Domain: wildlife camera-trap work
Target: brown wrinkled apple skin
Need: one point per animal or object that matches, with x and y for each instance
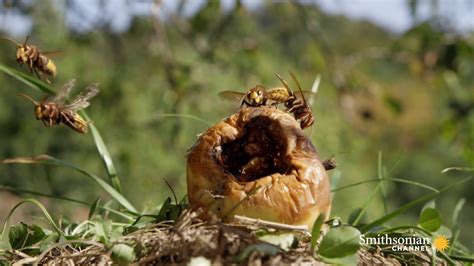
(296, 198)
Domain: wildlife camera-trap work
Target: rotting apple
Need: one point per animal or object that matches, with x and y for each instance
(258, 163)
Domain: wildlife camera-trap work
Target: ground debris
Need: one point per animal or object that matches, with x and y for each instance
(177, 243)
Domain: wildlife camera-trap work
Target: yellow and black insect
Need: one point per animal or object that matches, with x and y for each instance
(254, 97)
(297, 105)
(261, 96)
(295, 102)
(35, 59)
(53, 110)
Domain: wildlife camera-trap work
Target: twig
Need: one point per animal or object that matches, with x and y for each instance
(280, 226)
(80, 255)
(186, 219)
(330, 164)
(172, 191)
(41, 256)
(25, 261)
(19, 253)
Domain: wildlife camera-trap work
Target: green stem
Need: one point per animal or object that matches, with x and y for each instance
(386, 179)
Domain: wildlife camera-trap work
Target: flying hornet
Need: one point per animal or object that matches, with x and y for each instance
(53, 110)
(36, 60)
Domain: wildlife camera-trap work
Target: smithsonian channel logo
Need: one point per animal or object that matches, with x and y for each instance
(406, 243)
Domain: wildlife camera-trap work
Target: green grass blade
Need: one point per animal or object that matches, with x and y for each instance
(367, 204)
(316, 231)
(462, 258)
(462, 169)
(453, 240)
(457, 210)
(39, 205)
(433, 256)
(93, 208)
(104, 154)
(380, 175)
(31, 192)
(27, 79)
(387, 179)
(447, 258)
(410, 205)
(26, 191)
(46, 159)
(405, 227)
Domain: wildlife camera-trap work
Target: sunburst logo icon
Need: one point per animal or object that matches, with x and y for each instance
(440, 243)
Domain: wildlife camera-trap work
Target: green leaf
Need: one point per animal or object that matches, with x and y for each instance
(104, 154)
(347, 260)
(265, 249)
(430, 220)
(49, 160)
(284, 241)
(102, 230)
(93, 207)
(48, 241)
(457, 210)
(27, 79)
(316, 231)
(174, 212)
(164, 211)
(23, 235)
(170, 211)
(122, 254)
(340, 242)
(36, 234)
(429, 204)
(17, 235)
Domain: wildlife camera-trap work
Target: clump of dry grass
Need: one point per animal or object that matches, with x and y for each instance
(168, 243)
(177, 243)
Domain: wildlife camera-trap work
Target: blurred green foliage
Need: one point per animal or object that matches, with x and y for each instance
(410, 96)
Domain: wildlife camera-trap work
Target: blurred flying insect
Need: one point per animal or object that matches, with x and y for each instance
(53, 110)
(36, 60)
(296, 105)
